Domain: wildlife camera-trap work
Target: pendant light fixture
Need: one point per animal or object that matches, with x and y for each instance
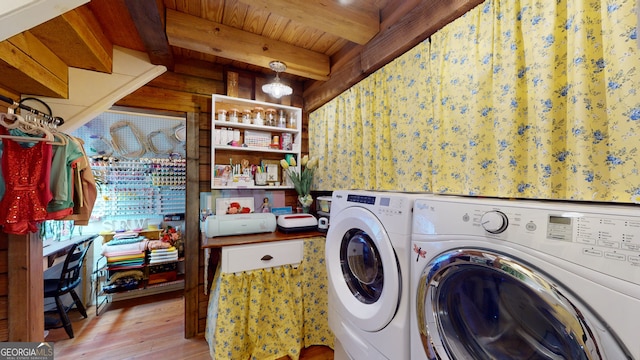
(276, 88)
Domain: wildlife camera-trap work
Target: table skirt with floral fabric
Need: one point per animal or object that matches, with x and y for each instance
(270, 313)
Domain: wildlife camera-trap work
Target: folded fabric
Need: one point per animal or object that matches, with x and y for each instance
(126, 262)
(135, 274)
(114, 267)
(125, 235)
(164, 256)
(125, 241)
(163, 259)
(164, 251)
(125, 257)
(157, 244)
(155, 256)
(125, 249)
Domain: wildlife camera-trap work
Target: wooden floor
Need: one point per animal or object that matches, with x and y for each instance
(144, 328)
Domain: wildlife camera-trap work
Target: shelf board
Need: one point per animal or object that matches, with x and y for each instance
(255, 187)
(239, 125)
(147, 290)
(254, 149)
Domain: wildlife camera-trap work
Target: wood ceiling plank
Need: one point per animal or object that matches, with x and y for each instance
(116, 23)
(29, 67)
(213, 10)
(353, 22)
(234, 13)
(77, 38)
(255, 20)
(205, 36)
(328, 44)
(148, 21)
(417, 25)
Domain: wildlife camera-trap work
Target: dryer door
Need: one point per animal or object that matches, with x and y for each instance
(363, 270)
(479, 304)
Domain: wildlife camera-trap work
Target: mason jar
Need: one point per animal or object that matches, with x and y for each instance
(233, 115)
(258, 116)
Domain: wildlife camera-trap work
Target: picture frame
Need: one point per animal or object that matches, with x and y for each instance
(272, 168)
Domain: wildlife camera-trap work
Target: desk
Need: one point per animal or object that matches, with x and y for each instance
(53, 249)
(269, 313)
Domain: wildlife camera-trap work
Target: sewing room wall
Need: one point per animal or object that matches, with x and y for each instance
(138, 162)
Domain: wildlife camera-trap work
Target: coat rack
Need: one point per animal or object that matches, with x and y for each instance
(53, 120)
(24, 263)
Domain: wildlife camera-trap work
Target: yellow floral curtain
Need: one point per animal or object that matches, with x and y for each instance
(527, 99)
(377, 128)
(270, 313)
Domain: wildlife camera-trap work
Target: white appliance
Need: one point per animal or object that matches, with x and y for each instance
(239, 224)
(501, 279)
(367, 259)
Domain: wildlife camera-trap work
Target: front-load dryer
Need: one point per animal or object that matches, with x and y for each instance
(499, 279)
(367, 260)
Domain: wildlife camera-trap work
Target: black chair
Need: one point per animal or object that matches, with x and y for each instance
(70, 278)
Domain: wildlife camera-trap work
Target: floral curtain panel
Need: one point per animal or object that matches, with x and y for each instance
(270, 313)
(527, 99)
(377, 127)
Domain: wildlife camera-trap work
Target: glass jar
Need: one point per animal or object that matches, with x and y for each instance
(222, 115)
(258, 116)
(233, 115)
(270, 117)
(282, 119)
(292, 122)
(246, 117)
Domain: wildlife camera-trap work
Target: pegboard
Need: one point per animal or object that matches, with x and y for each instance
(132, 135)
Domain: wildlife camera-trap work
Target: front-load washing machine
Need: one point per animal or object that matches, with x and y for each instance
(367, 260)
(500, 279)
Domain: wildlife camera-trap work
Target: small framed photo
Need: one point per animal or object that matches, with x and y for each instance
(272, 168)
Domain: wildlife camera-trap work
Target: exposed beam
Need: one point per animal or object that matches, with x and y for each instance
(29, 67)
(148, 20)
(194, 33)
(423, 21)
(355, 21)
(77, 38)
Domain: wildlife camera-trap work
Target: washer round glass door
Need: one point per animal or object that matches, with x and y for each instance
(363, 270)
(479, 304)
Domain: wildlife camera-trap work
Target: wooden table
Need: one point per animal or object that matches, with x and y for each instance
(218, 242)
(53, 249)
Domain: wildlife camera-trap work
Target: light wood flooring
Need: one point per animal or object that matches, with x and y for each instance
(144, 328)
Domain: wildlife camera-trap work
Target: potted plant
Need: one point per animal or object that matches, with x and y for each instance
(301, 179)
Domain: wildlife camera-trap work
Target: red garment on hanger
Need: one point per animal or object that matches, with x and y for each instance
(26, 172)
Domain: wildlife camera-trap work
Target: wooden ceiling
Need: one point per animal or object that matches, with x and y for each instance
(327, 45)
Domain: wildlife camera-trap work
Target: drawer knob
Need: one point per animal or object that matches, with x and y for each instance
(266, 258)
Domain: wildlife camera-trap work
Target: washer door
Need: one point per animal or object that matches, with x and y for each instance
(478, 304)
(363, 270)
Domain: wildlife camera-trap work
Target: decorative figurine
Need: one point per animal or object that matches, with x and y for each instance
(265, 206)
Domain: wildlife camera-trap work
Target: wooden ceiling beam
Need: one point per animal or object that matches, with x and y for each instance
(29, 67)
(354, 22)
(149, 23)
(194, 33)
(77, 38)
(417, 25)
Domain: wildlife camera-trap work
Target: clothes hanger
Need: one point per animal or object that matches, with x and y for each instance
(37, 125)
(19, 123)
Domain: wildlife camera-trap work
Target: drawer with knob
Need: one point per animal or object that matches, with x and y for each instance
(239, 258)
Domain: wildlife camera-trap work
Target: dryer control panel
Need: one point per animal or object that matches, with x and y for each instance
(393, 209)
(602, 237)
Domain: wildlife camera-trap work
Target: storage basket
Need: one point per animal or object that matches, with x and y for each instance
(260, 139)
